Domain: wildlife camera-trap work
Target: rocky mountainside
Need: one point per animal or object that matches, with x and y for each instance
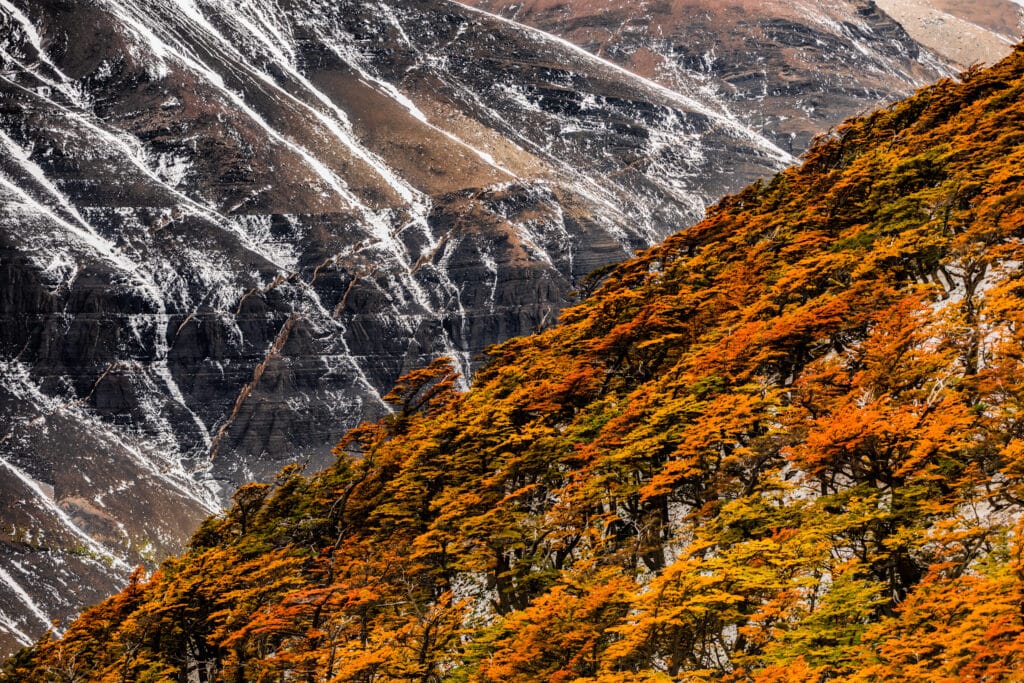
(785, 445)
(226, 229)
(789, 69)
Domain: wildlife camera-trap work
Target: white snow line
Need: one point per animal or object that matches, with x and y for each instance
(25, 598)
(161, 48)
(47, 504)
(380, 229)
(389, 14)
(278, 39)
(12, 628)
(192, 13)
(176, 478)
(340, 128)
(395, 94)
(97, 243)
(583, 184)
(419, 203)
(91, 236)
(37, 43)
(86, 232)
(136, 157)
(687, 102)
(360, 373)
(21, 156)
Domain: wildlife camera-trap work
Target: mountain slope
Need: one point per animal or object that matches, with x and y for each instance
(790, 69)
(226, 229)
(784, 445)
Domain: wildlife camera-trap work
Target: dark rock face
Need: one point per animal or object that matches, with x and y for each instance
(226, 229)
